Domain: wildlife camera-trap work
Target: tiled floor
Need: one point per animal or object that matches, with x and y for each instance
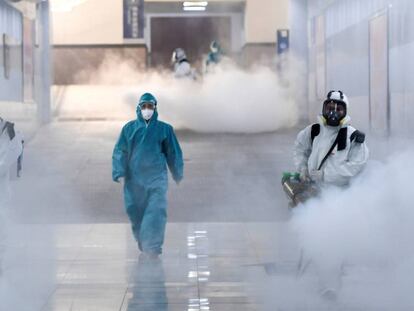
(229, 244)
(97, 267)
(70, 245)
(205, 266)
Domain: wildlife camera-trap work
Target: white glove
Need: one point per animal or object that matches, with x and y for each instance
(316, 176)
(304, 175)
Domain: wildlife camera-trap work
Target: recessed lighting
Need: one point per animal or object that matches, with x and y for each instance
(195, 3)
(194, 8)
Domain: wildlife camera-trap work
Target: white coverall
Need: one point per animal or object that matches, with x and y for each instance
(338, 170)
(182, 69)
(10, 150)
(341, 165)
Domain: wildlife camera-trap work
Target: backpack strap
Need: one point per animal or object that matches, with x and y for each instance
(358, 137)
(342, 135)
(315, 130)
(340, 141)
(342, 138)
(9, 127)
(328, 154)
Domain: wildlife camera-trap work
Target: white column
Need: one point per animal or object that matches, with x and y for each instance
(43, 64)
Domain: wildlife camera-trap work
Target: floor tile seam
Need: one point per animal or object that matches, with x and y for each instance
(49, 298)
(124, 298)
(249, 236)
(58, 285)
(75, 258)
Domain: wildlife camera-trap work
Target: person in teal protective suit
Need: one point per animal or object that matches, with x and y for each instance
(215, 55)
(144, 149)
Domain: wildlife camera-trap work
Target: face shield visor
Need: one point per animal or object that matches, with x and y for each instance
(174, 57)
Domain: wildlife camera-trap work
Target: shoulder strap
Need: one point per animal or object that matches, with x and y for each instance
(315, 130)
(342, 138)
(358, 137)
(9, 127)
(341, 133)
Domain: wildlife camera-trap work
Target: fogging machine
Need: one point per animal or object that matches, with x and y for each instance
(298, 191)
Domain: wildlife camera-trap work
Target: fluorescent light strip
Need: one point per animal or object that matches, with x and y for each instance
(194, 8)
(194, 3)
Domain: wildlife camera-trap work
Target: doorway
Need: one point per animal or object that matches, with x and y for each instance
(193, 34)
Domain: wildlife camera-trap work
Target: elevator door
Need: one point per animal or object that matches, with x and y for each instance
(193, 34)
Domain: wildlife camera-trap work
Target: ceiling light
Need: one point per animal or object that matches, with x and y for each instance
(194, 8)
(195, 3)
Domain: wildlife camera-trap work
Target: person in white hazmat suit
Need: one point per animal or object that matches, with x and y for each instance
(182, 67)
(330, 152)
(11, 149)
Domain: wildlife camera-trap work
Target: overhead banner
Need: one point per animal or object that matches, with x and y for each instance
(133, 19)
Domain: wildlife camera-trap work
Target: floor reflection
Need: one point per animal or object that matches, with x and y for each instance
(148, 286)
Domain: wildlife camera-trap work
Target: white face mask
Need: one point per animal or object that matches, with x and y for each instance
(147, 114)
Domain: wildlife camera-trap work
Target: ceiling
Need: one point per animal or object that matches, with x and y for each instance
(177, 7)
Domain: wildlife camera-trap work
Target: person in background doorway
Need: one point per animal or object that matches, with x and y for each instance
(214, 57)
(182, 67)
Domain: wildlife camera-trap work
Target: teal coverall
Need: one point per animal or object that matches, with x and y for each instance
(141, 156)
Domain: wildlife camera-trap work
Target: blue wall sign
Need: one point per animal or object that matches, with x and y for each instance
(282, 41)
(133, 19)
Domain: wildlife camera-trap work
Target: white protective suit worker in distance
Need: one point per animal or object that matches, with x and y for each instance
(11, 149)
(182, 67)
(331, 152)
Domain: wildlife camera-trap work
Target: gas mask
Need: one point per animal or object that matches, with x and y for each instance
(178, 55)
(334, 112)
(147, 113)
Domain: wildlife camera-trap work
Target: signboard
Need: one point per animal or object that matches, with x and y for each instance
(282, 41)
(133, 19)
